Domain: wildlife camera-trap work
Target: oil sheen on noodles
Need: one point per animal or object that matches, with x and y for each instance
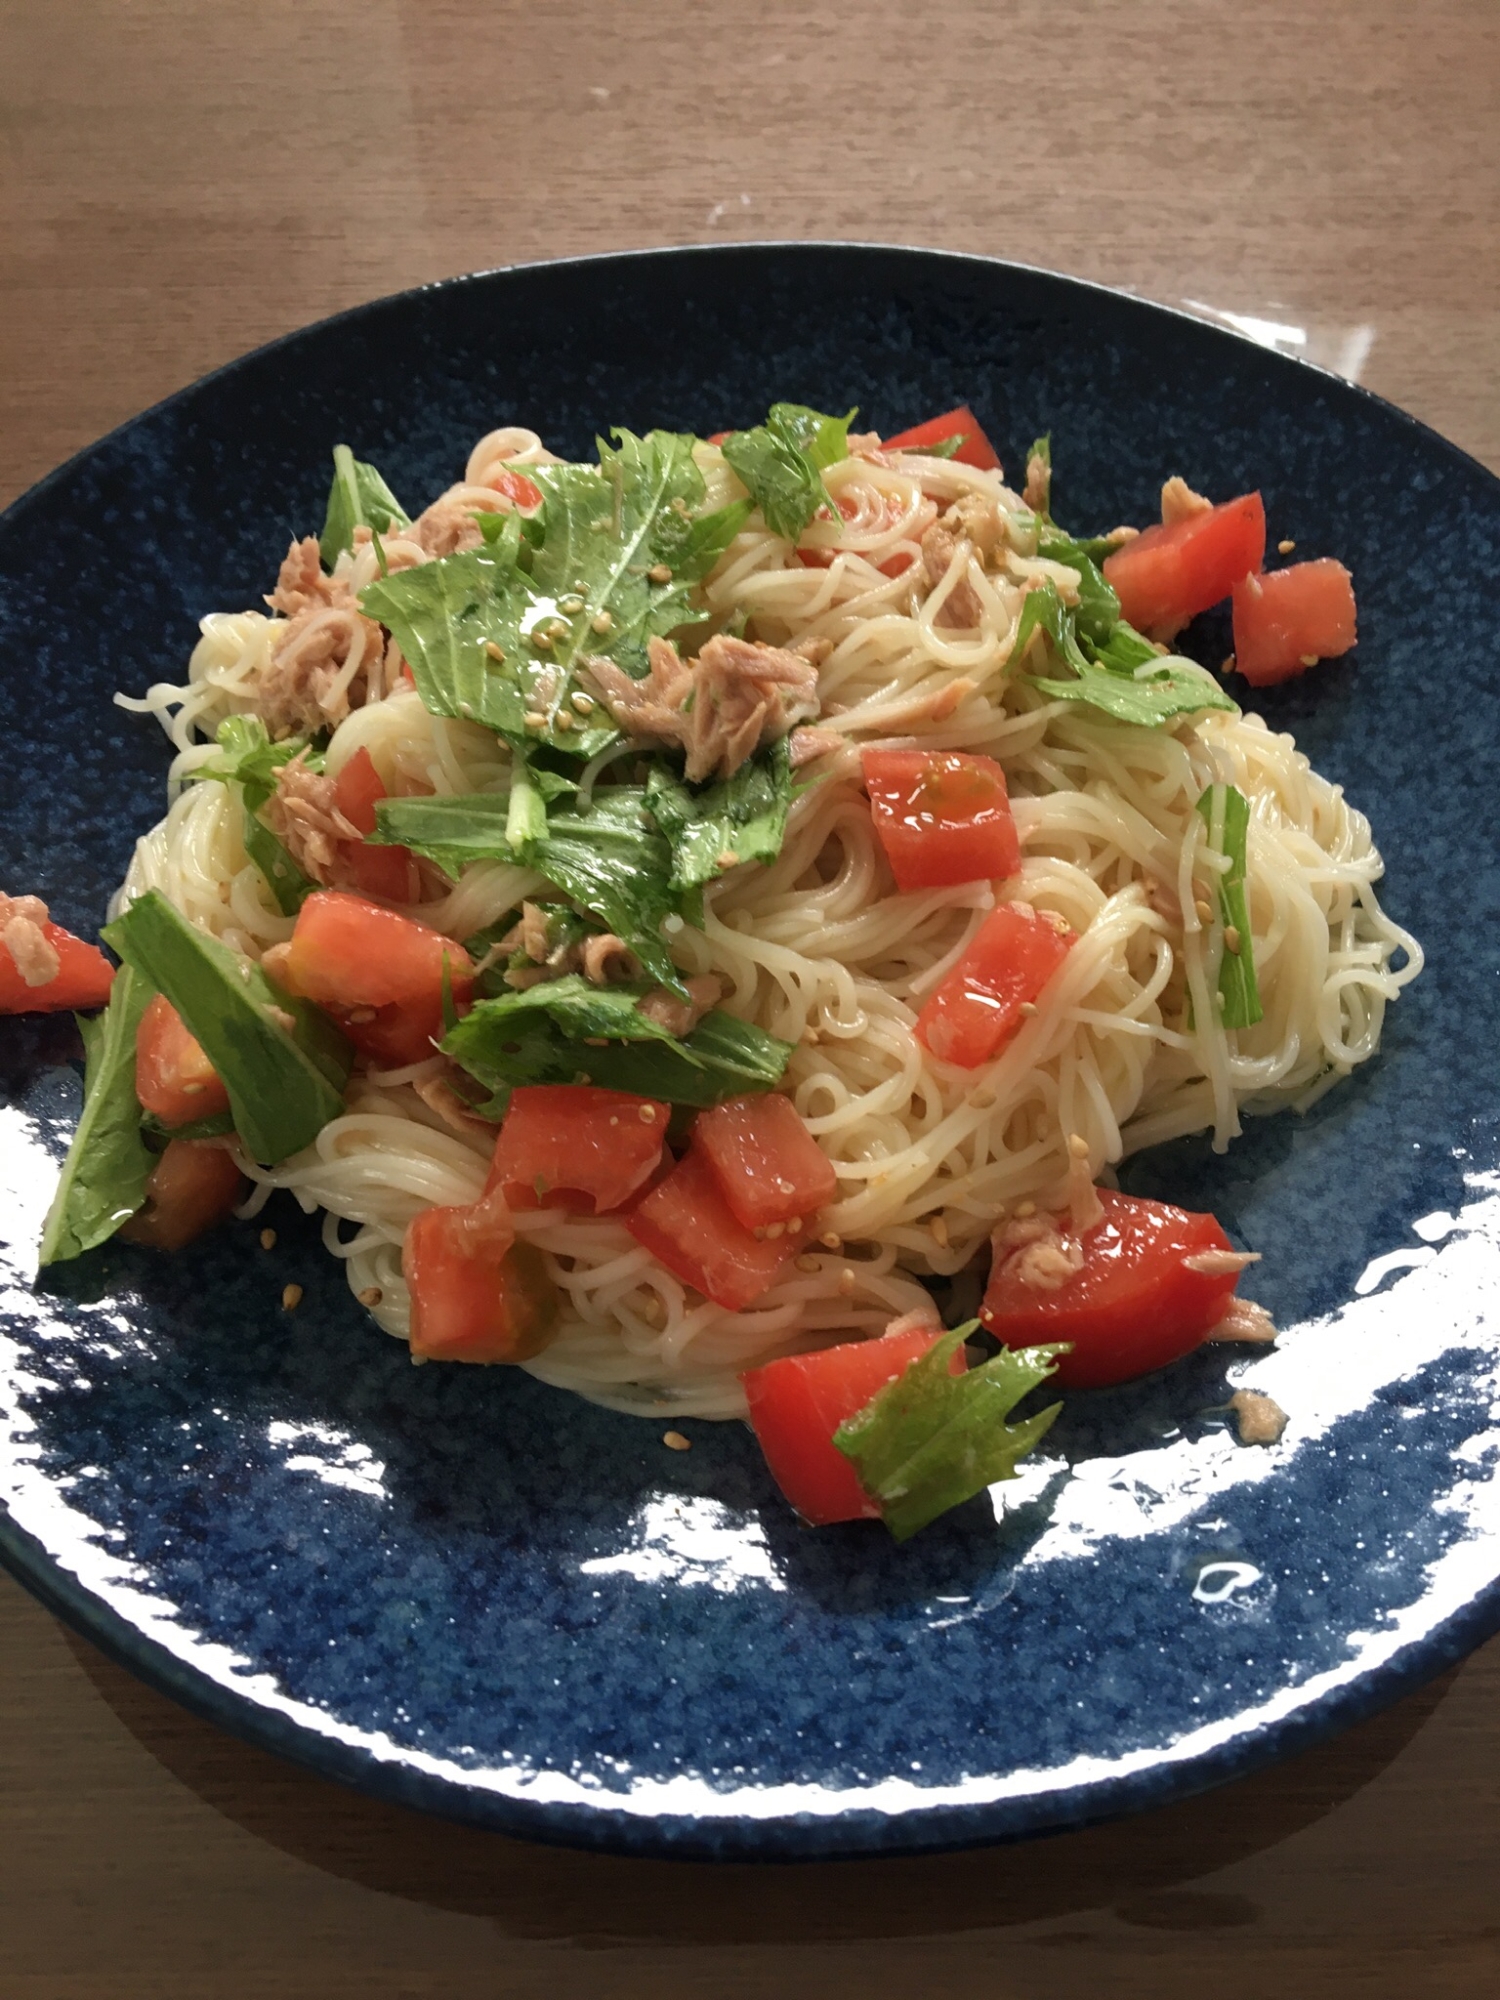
(820, 949)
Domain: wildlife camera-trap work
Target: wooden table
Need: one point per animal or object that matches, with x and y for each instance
(180, 180)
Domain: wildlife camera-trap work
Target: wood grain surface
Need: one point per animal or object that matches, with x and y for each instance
(183, 179)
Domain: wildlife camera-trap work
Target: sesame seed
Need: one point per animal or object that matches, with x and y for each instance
(806, 1263)
(268, 1239)
(614, 1121)
(535, 721)
(938, 1224)
(831, 1240)
(1228, 665)
(541, 639)
(1078, 1146)
(647, 1114)
(1308, 659)
(1232, 939)
(811, 1037)
(773, 1230)
(194, 1089)
(1027, 1007)
(496, 653)
(1202, 911)
(1285, 548)
(659, 573)
(983, 1099)
(794, 1225)
(846, 1280)
(600, 622)
(1025, 1208)
(562, 720)
(571, 605)
(291, 1295)
(675, 1441)
(584, 703)
(371, 1295)
(728, 860)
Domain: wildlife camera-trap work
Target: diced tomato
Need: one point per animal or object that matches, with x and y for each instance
(1133, 1307)
(977, 1008)
(378, 973)
(687, 1225)
(769, 1167)
(388, 872)
(1288, 619)
(524, 495)
(570, 1145)
(193, 1185)
(895, 564)
(942, 817)
(975, 450)
(718, 437)
(1168, 575)
(83, 977)
(174, 1079)
(476, 1294)
(797, 1403)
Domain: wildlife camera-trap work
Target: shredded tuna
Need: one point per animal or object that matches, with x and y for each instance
(1246, 1321)
(921, 1319)
(1037, 1251)
(23, 921)
(1258, 1419)
(609, 961)
(1038, 491)
(680, 1017)
(1220, 1263)
(720, 707)
(448, 526)
(941, 549)
(1180, 503)
(979, 519)
(302, 815)
(440, 1096)
(324, 662)
(302, 585)
(808, 745)
(1076, 1191)
(866, 445)
(814, 651)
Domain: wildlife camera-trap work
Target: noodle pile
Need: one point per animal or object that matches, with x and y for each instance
(819, 948)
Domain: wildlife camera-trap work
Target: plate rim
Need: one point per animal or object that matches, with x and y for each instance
(854, 1830)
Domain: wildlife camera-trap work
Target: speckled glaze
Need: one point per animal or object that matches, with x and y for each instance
(464, 1591)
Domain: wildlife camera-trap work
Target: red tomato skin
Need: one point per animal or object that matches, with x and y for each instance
(476, 1294)
(1168, 575)
(768, 1166)
(976, 449)
(524, 495)
(592, 1149)
(943, 817)
(193, 1185)
(1288, 618)
(977, 1008)
(83, 977)
(798, 1402)
(387, 872)
(687, 1225)
(377, 973)
(174, 1079)
(1132, 1308)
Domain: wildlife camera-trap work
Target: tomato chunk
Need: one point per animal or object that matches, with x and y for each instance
(975, 450)
(1168, 575)
(570, 1145)
(174, 1079)
(797, 1403)
(82, 979)
(943, 817)
(769, 1167)
(476, 1294)
(378, 973)
(388, 872)
(687, 1225)
(977, 1008)
(524, 495)
(193, 1185)
(1288, 619)
(1133, 1307)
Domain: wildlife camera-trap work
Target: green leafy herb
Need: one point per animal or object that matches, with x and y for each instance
(1226, 813)
(930, 1440)
(1148, 693)
(714, 827)
(251, 761)
(358, 496)
(608, 858)
(284, 1084)
(782, 460)
(568, 1031)
(1098, 610)
(948, 447)
(104, 1177)
(497, 634)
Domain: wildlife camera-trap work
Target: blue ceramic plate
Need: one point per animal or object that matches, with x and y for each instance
(465, 1591)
